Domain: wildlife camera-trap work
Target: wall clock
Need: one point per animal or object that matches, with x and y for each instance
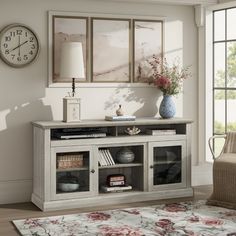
(19, 45)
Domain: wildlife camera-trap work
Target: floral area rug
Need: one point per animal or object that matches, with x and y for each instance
(187, 218)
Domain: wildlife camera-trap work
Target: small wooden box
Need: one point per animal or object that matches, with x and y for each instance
(71, 109)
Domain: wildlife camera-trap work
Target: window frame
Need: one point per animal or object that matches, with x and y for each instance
(209, 67)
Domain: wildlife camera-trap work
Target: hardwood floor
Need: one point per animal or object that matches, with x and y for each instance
(28, 210)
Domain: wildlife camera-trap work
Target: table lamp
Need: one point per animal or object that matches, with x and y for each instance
(72, 66)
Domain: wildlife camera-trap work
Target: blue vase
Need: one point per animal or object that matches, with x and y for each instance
(167, 108)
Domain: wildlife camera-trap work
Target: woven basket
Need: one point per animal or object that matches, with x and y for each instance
(66, 161)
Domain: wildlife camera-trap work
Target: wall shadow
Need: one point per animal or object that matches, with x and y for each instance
(145, 98)
(16, 140)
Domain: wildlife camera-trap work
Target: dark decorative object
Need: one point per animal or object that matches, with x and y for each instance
(125, 155)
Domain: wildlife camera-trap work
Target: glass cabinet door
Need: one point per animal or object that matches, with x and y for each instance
(72, 172)
(167, 164)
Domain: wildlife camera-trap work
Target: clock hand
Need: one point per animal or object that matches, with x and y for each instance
(18, 46)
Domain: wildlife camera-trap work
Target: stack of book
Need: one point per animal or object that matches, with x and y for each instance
(161, 131)
(107, 189)
(105, 158)
(120, 118)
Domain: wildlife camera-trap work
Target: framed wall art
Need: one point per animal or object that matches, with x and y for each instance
(110, 50)
(116, 48)
(67, 29)
(148, 42)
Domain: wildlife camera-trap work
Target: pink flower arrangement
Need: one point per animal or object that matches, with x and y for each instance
(169, 79)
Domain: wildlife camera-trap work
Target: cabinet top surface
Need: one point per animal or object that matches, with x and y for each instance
(103, 123)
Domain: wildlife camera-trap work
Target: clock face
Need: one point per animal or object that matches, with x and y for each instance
(19, 45)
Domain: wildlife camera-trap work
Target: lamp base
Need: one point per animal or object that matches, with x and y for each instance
(71, 109)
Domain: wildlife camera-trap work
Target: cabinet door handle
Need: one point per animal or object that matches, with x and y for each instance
(92, 171)
(151, 166)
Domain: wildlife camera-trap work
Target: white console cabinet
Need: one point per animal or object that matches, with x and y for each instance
(161, 168)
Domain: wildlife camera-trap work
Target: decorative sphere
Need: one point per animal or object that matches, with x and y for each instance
(125, 155)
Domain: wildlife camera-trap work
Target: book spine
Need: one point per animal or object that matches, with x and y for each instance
(111, 158)
(99, 158)
(107, 157)
(110, 189)
(120, 118)
(102, 158)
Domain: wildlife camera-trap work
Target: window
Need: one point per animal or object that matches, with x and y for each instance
(224, 73)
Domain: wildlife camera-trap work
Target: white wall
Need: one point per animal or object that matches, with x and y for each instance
(25, 97)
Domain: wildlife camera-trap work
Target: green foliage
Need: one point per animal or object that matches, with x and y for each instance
(220, 127)
(231, 75)
(220, 94)
(232, 61)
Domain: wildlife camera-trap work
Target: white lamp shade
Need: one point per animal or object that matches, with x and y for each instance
(72, 63)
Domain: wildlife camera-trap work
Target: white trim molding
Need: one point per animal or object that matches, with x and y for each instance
(169, 2)
(200, 22)
(222, 6)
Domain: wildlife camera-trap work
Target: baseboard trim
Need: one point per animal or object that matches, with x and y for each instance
(120, 198)
(15, 191)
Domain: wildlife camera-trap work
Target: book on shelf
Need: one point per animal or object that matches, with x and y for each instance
(107, 189)
(161, 131)
(105, 158)
(120, 118)
(110, 158)
(101, 159)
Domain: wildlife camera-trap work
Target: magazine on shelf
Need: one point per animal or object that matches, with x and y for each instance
(107, 189)
(120, 118)
(161, 131)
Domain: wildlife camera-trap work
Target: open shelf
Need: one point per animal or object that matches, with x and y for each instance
(166, 162)
(72, 169)
(121, 165)
(127, 192)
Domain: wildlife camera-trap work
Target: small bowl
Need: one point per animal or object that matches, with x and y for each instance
(68, 187)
